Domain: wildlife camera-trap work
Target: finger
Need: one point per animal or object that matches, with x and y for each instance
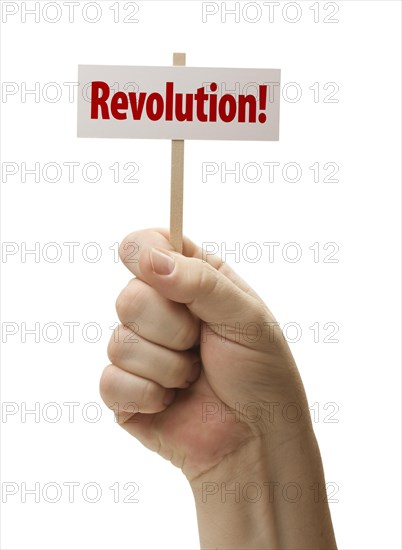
(156, 318)
(130, 393)
(207, 293)
(168, 368)
(133, 244)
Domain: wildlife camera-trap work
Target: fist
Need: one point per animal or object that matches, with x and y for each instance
(183, 349)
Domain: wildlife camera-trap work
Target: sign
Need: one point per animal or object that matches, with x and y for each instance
(178, 102)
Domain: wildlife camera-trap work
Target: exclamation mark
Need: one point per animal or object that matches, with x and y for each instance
(262, 117)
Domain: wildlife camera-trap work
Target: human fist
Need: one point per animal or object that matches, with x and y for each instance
(194, 337)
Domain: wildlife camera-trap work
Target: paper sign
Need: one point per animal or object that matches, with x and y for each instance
(178, 102)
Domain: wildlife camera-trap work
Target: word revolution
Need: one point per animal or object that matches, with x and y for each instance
(174, 106)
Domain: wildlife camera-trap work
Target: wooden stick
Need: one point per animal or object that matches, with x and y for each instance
(176, 181)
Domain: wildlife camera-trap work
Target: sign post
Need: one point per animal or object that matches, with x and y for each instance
(178, 103)
(176, 182)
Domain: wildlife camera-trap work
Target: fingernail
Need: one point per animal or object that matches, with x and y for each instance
(195, 373)
(169, 397)
(162, 262)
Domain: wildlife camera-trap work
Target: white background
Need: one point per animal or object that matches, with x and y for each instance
(360, 293)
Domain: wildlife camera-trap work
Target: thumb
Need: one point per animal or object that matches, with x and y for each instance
(207, 292)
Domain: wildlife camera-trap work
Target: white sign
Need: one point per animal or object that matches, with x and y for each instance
(178, 102)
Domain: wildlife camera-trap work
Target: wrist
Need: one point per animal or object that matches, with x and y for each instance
(258, 457)
(230, 511)
(262, 496)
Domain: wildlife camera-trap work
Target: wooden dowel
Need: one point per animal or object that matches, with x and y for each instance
(176, 182)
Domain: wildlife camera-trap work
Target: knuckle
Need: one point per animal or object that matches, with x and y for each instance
(122, 301)
(209, 280)
(261, 313)
(131, 301)
(148, 394)
(174, 377)
(205, 280)
(178, 379)
(108, 383)
(129, 249)
(184, 336)
(179, 370)
(115, 349)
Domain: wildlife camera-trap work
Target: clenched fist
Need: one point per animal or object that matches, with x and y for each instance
(196, 346)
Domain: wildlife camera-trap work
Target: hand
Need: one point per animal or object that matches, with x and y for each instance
(199, 367)
(196, 351)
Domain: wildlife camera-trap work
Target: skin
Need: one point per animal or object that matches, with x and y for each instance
(224, 404)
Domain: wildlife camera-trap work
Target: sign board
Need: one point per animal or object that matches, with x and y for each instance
(178, 102)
